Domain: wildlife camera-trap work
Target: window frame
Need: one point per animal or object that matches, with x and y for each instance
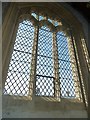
(35, 23)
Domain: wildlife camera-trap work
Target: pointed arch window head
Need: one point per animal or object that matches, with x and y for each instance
(26, 22)
(43, 56)
(45, 27)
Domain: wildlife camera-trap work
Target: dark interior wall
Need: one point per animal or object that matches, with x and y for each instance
(0, 60)
(89, 74)
(82, 7)
(5, 6)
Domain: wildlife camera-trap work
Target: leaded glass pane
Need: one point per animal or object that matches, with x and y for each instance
(45, 69)
(44, 86)
(18, 77)
(65, 68)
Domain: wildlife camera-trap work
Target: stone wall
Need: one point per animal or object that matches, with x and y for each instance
(38, 107)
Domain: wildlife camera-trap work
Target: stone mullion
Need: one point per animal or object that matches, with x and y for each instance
(56, 68)
(33, 64)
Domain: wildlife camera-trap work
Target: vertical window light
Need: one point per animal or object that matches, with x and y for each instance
(18, 77)
(65, 68)
(44, 78)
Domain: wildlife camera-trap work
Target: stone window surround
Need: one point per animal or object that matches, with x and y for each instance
(8, 24)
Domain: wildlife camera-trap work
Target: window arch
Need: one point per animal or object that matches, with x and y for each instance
(48, 46)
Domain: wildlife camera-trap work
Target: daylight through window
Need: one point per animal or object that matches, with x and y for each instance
(55, 72)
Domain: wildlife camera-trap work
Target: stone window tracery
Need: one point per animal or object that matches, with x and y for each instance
(49, 52)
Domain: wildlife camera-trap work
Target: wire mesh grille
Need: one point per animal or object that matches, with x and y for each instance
(65, 68)
(44, 63)
(18, 77)
(44, 86)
